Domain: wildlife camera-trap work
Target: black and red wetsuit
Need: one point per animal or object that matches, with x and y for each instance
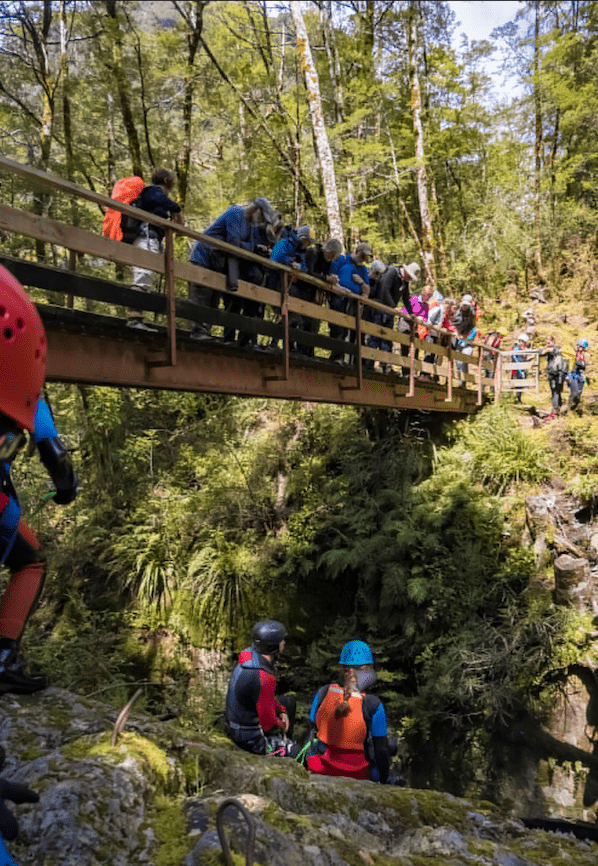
(252, 711)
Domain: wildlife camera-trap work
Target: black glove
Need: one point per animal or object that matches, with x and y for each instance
(9, 828)
(63, 497)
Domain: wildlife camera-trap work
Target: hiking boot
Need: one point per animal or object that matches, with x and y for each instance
(12, 677)
(199, 334)
(138, 324)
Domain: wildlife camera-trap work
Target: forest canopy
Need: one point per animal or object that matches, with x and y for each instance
(427, 160)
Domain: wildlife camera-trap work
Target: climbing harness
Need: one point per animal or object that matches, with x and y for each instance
(250, 843)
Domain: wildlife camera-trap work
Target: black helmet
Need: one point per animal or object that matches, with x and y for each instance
(580, 364)
(267, 635)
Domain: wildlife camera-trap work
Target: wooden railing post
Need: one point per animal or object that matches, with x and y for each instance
(449, 377)
(70, 299)
(358, 343)
(412, 333)
(285, 283)
(170, 294)
(498, 377)
(480, 386)
(359, 385)
(170, 359)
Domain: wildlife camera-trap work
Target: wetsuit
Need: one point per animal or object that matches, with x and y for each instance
(19, 548)
(252, 711)
(356, 744)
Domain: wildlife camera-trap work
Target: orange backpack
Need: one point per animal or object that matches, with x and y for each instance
(126, 190)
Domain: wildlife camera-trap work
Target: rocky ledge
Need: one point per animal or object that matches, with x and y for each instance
(153, 798)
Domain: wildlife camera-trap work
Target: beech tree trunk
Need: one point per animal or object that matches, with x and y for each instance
(193, 18)
(420, 156)
(538, 143)
(118, 73)
(317, 116)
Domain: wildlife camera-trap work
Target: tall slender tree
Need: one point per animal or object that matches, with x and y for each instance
(312, 85)
(420, 154)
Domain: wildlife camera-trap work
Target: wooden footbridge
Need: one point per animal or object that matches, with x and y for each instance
(83, 309)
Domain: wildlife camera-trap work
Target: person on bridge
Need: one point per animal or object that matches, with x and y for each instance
(439, 316)
(236, 226)
(290, 251)
(155, 200)
(352, 735)
(419, 305)
(353, 276)
(519, 346)
(379, 291)
(23, 358)
(254, 716)
(464, 324)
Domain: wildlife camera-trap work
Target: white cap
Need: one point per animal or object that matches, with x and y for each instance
(523, 338)
(414, 270)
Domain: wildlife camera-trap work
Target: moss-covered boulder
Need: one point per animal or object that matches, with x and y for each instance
(152, 799)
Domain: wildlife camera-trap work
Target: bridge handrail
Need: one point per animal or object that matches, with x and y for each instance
(52, 181)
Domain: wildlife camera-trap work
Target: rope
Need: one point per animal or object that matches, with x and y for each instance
(250, 843)
(301, 756)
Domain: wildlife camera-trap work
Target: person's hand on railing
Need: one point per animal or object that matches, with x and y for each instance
(332, 279)
(296, 266)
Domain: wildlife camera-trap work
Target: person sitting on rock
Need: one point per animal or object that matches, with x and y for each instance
(351, 724)
(256, 719)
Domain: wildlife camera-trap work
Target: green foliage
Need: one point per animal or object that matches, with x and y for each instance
(495, 452)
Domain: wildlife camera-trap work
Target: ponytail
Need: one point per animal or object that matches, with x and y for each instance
(343, 708)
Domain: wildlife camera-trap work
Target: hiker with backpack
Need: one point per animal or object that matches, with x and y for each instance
(557, 369)
(575, 381)
(352, 736)
(153, 199)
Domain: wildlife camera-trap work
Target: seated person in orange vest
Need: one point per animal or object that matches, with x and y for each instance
(351, 725)
(257, 720)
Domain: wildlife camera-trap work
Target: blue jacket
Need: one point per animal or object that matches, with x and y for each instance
(155, 201)
(346, 273)
(232, 227)
(288, 250)
(5, 858)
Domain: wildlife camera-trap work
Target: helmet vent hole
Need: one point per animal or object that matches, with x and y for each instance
(20, 324)
(2, 311)
(37, 354)
(8, 333)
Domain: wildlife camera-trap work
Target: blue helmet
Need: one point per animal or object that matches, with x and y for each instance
(356, 653)
(583, 343)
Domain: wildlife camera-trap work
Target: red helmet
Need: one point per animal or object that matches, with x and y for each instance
(23, 352)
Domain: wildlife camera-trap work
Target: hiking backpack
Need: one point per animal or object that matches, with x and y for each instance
(557, 367)
(121, 227)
